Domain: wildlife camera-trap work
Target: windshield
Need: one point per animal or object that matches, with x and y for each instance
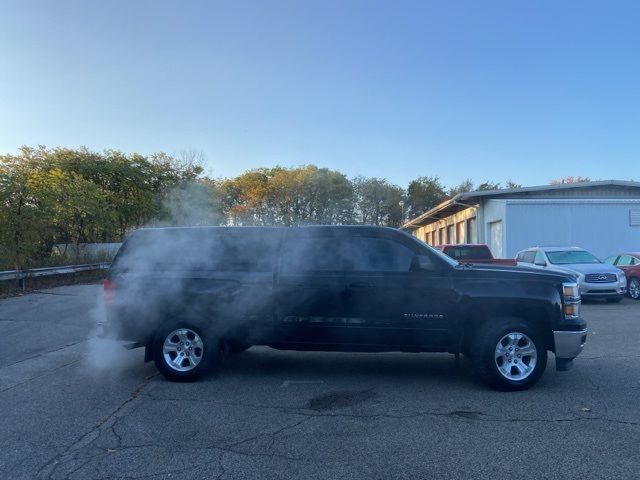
(566, 257)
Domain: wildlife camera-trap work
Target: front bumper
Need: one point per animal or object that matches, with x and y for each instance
(603, 290)
(568, 345)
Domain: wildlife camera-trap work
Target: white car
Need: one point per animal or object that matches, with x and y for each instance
(595, 279)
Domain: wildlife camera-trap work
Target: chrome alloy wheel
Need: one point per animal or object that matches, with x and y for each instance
(634, 288)
(182, 350)
(516, 356)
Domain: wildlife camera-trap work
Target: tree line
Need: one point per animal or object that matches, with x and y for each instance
(72, 196)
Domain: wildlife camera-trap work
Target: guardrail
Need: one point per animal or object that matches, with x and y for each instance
(21, 275)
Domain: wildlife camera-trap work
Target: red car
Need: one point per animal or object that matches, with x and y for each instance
(629, 263)
(473, 253)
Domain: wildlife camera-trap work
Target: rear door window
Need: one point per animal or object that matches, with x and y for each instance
(380, 255)
(241, 253)
(198, 250)
(313, 254)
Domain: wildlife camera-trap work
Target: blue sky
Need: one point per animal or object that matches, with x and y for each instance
(496, 90)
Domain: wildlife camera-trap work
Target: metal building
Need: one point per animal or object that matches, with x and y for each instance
(602, 217)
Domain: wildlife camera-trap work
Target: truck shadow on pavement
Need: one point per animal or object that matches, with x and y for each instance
(262, 362)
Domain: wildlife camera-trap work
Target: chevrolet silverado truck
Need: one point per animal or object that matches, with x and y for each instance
(190, 295)
(473, 253)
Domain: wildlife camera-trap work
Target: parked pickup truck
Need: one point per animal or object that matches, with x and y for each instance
(473, 253)
(189, 295)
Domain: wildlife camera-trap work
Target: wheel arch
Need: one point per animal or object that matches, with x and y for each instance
(537, 317)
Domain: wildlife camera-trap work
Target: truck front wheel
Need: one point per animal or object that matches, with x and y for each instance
(508, 354)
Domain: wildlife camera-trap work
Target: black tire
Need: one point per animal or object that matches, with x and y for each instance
(637, 292)
(483, 353)
(614, 300)
(207, 355)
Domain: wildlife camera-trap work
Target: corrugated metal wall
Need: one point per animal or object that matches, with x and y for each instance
(600, 226)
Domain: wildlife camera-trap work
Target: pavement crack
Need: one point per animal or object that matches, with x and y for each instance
(48, 470)
(15, 385)
(232, 448)
(38, 355)
(576, 419)
(270, 434)
(223, 470)
(292, 409)
(462, 415)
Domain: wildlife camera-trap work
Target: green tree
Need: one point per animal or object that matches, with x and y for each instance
(62, 195)
(78, 209)
(24, 215)
(488, 186)
(287, 196)
(423, 194)
(244, 198)
(378, 202)
(330, 197)
(463, 187)
(309, 195)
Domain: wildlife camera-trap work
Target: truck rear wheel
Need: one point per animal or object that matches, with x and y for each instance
(183, 352)
(508, 354)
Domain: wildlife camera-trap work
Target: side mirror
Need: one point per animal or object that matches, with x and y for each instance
(540, 263)
(422, 262)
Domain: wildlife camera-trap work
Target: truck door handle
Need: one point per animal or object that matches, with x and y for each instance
(360, 285)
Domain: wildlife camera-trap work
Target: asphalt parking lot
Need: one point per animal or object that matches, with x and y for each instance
(269, 414)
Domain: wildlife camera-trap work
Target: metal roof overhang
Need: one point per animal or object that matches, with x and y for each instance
(471, 199)
(443, 210)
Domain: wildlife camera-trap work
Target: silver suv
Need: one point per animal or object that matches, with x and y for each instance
(595, 278)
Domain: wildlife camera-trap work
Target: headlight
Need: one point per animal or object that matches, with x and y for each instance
(571, 300)
(622, 278)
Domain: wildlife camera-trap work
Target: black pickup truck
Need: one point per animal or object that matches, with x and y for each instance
(190, 294)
